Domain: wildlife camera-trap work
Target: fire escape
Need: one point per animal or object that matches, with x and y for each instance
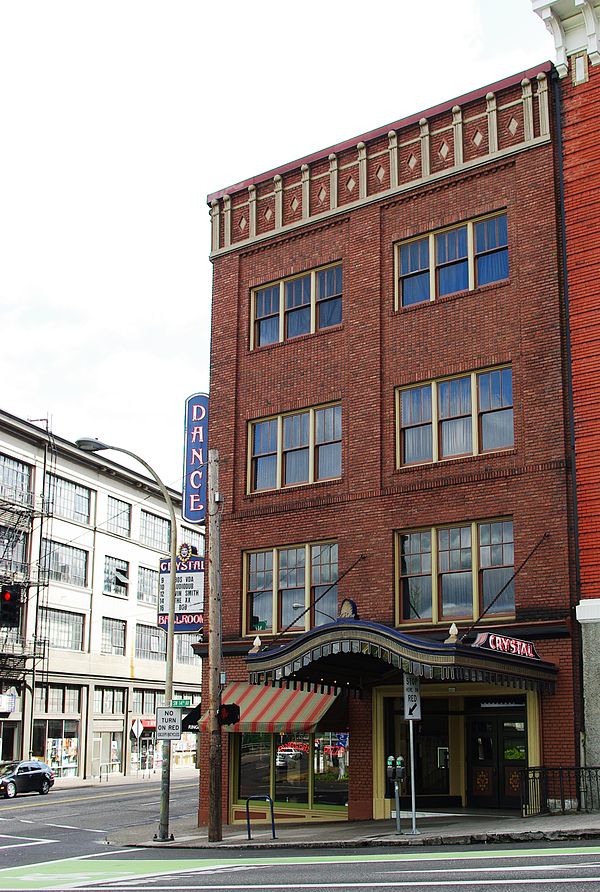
(19, 656)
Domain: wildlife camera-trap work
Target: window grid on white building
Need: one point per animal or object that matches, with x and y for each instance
(183, 649)
(64, 563)
(15, 480)
(62, 628)
(150, 643)
(113, 636)
(147, 585)
(68, 499)
(116, 576)
(118, 517)
(155, 531)
(193, 538)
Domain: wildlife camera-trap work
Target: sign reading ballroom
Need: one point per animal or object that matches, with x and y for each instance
(189, 592)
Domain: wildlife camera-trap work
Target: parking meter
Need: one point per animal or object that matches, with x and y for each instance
(400, 769)
(390, 768)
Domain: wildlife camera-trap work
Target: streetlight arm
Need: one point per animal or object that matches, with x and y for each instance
(88, 444)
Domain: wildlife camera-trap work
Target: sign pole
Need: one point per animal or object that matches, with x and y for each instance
(412, 778)
(215, 755)
(412, 714)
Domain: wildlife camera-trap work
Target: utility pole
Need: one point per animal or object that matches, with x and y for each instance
(215, 754)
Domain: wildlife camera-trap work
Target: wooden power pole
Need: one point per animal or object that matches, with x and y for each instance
(215, 755)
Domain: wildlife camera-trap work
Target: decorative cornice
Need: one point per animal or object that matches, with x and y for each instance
(574, 25)
(386, 164)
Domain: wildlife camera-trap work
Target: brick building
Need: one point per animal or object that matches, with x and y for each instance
(389, 403)
(576, 30)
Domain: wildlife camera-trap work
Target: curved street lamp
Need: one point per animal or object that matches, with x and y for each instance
(90, 444)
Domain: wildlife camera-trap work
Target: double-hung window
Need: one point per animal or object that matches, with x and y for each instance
(300, 447)
(466, 415)
(295, 306)
(455, 572)
(452, 260)
(292, 588)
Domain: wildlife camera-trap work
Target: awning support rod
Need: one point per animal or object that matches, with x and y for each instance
(270, 644)
(505, 586)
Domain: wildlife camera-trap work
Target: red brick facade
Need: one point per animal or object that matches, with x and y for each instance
(581, 117)
(378, 349)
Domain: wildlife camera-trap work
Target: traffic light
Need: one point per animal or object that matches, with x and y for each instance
(10, 606)
(228, 714)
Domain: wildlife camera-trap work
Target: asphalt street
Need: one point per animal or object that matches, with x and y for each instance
(59, 842)
(545, 869)
(74, 822)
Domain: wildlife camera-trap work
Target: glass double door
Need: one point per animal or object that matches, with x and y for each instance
(496, 750)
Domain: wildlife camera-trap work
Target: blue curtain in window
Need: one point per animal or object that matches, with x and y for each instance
(492, 267)
(329, 312)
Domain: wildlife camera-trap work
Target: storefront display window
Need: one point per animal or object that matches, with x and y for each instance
(255, 765)
(331, 769)
(299, 768)
(56, 742)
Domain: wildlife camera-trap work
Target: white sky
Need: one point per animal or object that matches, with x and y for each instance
(118, 117)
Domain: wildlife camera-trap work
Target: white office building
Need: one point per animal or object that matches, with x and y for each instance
(83, 673)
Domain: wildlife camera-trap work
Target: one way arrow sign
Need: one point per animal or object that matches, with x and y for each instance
(412, 698)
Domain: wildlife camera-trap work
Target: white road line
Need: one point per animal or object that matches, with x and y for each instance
(409, 884)
(70, 827)
(31, 841)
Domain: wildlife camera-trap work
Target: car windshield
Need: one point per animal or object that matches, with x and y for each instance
(7, 768)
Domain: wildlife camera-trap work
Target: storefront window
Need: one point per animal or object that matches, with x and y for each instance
(331, 767)
(56, 742)
(292, 763)
(282, 766)
(255, 765)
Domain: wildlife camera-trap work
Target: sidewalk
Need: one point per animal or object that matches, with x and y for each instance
(461, 827)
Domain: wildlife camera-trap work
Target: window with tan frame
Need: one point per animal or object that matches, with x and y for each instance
(451, 260)
(291, 588)
(455, 572)
(455, 417)
(298, 305)
(297, 448)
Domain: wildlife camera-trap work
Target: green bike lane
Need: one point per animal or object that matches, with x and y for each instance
(119, 867)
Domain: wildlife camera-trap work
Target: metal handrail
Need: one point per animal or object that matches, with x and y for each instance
(561, 789)
(259, 799)
(107, 769)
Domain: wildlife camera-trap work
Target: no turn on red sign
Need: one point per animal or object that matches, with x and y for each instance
(412, 698)
(168, 723)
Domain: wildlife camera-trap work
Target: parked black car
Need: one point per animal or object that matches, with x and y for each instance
(29, 776)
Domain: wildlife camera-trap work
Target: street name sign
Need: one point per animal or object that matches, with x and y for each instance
(412, 698)
(168, 723)
(182, 703)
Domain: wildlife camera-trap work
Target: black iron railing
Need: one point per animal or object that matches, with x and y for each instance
(552, 790)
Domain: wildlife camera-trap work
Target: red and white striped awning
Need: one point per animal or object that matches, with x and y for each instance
(268, 709)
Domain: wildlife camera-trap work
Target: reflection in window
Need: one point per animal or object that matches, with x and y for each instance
(255, 765)
(292, 763)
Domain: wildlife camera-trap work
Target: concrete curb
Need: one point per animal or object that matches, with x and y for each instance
(404, 840)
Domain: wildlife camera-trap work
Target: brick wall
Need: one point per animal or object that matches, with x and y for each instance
(581, 120)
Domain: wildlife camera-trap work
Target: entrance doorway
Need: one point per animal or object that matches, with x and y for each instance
(496, 749)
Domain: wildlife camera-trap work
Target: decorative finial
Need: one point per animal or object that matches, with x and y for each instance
(255, 645)
(452, 634)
